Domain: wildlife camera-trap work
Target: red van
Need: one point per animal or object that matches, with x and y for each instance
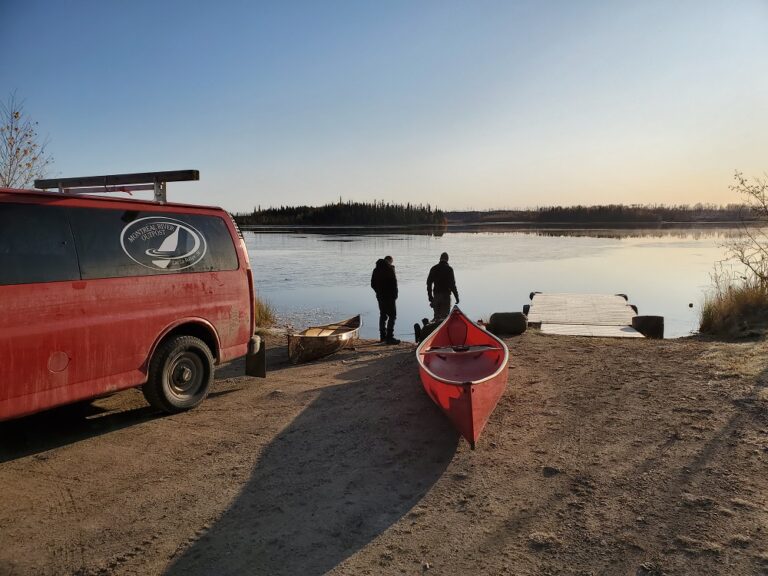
(101, 294)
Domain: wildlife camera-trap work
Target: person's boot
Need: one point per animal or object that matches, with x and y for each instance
(392, 340)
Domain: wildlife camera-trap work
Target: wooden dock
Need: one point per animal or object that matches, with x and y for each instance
(604, 315)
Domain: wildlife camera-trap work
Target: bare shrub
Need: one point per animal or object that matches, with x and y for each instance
(738, 301)
(23, 155)
(264, 313)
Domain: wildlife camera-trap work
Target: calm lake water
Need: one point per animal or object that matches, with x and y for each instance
(312, 278)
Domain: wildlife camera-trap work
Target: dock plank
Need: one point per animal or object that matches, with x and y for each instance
(591, 330)
(603, 315)
(593, 309)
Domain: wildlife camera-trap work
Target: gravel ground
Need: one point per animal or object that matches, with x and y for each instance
(603, 457)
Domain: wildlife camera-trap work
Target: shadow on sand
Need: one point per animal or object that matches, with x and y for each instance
(62, 426)
(72, 423)
(356, 460)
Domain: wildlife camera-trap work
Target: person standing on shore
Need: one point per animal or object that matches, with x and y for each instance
(442, 278)
(384, 283)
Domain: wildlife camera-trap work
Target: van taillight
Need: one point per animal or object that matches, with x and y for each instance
(245, 254)
(252, 297)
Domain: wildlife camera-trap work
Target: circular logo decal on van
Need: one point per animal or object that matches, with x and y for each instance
(163, 243)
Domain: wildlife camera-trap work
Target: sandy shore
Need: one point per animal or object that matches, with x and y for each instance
(603, 457)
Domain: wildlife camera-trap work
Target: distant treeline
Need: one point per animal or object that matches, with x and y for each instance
(345, 214)
(612, 213)
(381, 213)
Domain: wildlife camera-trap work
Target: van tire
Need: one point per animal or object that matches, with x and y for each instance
(180, 374)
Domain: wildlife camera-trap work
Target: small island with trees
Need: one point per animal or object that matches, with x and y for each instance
(376, 213)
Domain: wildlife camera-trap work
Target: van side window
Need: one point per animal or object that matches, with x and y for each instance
(35, 245)
(115, 243)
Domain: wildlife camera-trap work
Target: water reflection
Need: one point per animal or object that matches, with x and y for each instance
(661, 230)
(429, 230)
(314, 277)
(692, 234)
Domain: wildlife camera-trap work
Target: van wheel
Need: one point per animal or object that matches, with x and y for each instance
(180, 374)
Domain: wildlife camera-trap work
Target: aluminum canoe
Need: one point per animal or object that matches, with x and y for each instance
(318, 341)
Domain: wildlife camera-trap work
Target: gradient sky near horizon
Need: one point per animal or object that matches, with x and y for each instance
(473, 104)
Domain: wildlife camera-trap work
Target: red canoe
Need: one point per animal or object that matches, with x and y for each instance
(464, 371)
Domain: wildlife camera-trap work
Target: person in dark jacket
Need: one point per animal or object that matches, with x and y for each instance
(440, 284)
(384, 283)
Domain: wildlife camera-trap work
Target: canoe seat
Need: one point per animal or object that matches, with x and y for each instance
(460, 349)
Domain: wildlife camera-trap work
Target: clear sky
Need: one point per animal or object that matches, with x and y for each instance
(474, 104)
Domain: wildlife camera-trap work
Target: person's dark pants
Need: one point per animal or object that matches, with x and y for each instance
(387, 315)
(441, 304)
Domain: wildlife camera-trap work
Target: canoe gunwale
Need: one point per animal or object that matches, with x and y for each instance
(352, 324)
(421, 353)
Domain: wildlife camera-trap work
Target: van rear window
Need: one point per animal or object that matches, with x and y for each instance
(35, 245)
(114, 243)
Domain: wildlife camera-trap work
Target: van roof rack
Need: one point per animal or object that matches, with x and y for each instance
(155, 181)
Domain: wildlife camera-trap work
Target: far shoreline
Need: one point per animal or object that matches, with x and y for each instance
(497, 226)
